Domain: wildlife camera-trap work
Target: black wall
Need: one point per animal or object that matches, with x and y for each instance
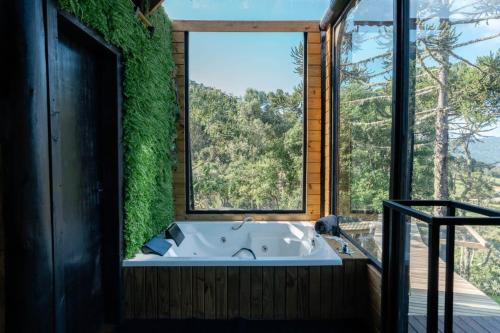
(45, 288)
(25, 168)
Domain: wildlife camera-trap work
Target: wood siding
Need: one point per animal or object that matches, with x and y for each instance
(280, 293)
(245, 26)
(313, 176)
(374, 297)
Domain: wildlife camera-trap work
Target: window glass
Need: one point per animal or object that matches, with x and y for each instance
(246, 121)
(454, 100)
(364, 41)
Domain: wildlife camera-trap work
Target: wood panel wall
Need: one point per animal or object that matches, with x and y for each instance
(280, 293)
(374, 297)
(313, 83)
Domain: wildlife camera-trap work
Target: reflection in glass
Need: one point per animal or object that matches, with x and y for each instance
(455, 75)
(364, 39)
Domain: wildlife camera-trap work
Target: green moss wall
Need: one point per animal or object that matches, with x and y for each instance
(150, 110)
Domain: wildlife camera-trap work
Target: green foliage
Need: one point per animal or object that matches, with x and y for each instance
(150, 110)
(246, 152)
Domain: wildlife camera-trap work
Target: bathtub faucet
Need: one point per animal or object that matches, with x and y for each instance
(245, 220)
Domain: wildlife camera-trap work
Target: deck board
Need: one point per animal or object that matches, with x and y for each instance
(473, 310)
(467, 298)
(461, 324)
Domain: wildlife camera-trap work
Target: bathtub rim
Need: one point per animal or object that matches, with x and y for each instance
(237, 262)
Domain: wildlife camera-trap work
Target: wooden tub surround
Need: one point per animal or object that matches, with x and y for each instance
(254, 293)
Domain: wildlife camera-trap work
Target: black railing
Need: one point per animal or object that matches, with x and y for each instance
(395, 258)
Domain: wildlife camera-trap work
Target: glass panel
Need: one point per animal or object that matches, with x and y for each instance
(455, 102)
(246, 121)
(364, 63)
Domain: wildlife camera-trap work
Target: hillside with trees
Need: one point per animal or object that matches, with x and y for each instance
(247, 153)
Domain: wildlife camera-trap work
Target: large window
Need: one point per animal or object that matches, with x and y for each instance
(455, 103)
(246, 119)
(363, 62)
(454, 135)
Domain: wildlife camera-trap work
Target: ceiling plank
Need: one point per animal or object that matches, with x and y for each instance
(245, 26)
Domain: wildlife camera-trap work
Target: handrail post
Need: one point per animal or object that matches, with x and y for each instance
(394, 272)
(395, 247)
(433, 278)
(450, 271)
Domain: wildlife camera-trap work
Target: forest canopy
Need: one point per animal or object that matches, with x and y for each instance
(247, 152)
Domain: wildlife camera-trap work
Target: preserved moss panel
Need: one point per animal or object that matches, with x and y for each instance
(150, 110)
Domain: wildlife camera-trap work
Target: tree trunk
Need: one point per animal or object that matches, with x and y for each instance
(468, 172)
(441, 144)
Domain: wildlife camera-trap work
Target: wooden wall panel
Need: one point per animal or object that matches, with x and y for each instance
(313, 88)
(350, 291)
(313, 120)
(374, 297)
(246, 26)
(256, 293)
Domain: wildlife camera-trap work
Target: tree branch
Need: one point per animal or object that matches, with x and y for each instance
(385, 54)
(476, 20)
(420, 92)
(428, 71)
(473, 41)
(421, 114)
(465, 60)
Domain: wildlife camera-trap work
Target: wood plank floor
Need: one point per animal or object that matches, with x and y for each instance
(461, 324)
(473, 310)
(468, 300)
(244, 326)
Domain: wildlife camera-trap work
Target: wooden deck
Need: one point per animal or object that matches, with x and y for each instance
(468, 300)
(461, 324)
(473, 310)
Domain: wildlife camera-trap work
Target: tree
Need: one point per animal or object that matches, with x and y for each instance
(436, 43)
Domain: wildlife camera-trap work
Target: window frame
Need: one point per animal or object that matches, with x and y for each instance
(401, 163)
(334, 135)
(189, 197)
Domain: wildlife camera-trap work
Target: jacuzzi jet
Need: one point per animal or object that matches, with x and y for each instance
(223, 239)
(264, 248)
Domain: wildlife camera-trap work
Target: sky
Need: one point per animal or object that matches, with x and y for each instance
(235, 61)
(246, 9)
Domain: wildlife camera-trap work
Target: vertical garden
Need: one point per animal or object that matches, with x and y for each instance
(150, 109)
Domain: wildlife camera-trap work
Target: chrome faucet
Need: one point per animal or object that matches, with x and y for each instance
(245, 220)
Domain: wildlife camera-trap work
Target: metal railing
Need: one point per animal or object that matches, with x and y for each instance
(395, 258)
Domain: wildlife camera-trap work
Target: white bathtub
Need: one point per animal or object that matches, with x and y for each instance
(273, 243)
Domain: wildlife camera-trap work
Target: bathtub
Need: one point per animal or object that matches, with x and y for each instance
(272, 243)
